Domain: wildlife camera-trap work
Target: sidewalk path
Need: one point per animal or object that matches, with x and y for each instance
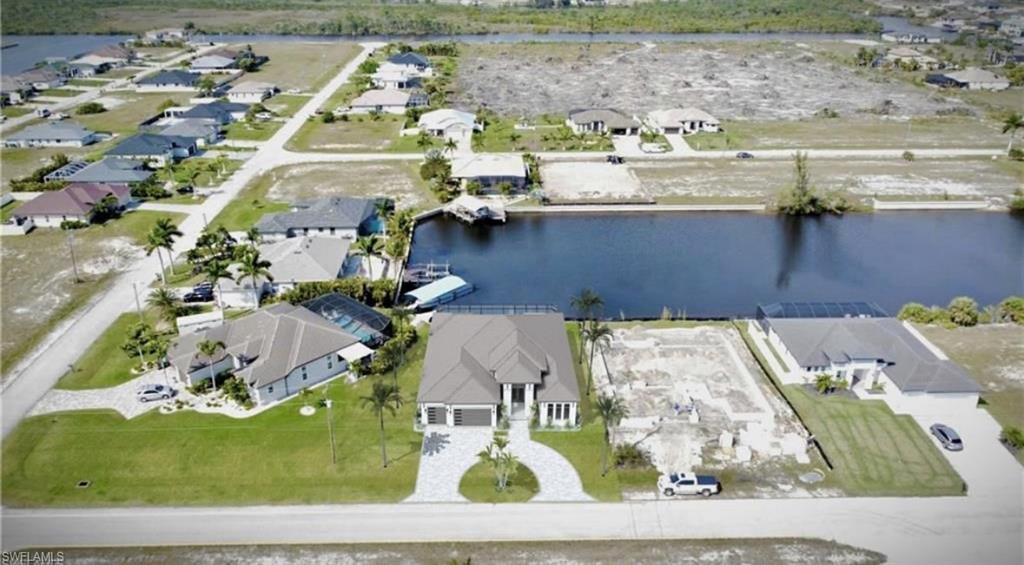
(556, 477)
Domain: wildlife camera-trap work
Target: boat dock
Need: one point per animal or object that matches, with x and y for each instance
(471, 209)
(437, 293)
(423, 273)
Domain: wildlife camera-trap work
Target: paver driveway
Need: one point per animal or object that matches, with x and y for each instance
(120, 398)
(557, 478)
(443, 463)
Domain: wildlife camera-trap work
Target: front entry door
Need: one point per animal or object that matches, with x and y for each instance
(518, 394)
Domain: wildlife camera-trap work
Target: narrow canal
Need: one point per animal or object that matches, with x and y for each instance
(723, 264)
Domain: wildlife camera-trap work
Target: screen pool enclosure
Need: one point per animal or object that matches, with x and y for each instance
(820, 310)
(352, 316)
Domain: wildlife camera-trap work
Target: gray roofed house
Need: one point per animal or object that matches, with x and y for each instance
(602, 120)
(305, 259)
(170, 80)
(878, 357)
(202, 130)
(410, 58)
(481, 366)
(212, 62)
(223, 112)
(154, 147)
(65, 133)
(276, 351)
(336, 216)
(108, 170)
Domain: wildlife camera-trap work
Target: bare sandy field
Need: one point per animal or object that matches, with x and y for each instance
(760, 81)
(397, 180)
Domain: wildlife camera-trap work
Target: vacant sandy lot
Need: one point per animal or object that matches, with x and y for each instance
(763, 178)
(684, 387)
(306, 66)
(397, 180)
(760, 81)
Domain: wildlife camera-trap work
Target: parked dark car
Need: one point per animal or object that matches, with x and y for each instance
(198, 295)
(744, 155)
(948, 437)
(615, 159)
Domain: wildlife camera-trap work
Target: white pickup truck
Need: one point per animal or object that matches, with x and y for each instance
(672, 484)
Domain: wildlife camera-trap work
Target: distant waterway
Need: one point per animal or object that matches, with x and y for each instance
(724, 264)
(28, 50)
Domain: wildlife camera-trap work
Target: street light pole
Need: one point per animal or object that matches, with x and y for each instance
(138, 304)
(71, 248)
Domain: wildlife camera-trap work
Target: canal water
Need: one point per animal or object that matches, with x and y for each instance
(724, 264)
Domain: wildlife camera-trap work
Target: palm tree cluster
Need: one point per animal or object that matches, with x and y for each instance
(504, 463)
(161, 237)
(588, 305)
(252, 267)
(612, 411)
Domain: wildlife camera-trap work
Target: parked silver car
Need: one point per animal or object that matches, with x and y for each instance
(948, 437)
(145, 393)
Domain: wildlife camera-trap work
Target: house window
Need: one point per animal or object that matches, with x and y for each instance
(270, 390)
(551, 411)
(330, 363)
(304, 373)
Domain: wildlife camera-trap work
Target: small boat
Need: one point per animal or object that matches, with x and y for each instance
(437, 293)
(423, 273)
(471, 209)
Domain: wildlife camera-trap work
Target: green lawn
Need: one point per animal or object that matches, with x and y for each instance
(186, 458)
(500, 135)
(105, 364)
(286, 104)
(873, 451)
(8, 210)
(135, 108)
(15, 111)
(122, 72)
(357, 134)
(258, 131)
(249, 206)
(88, 82)
(478, 485)
(583, 447)
(61, 92)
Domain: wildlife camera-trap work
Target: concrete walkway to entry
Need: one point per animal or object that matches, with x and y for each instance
(558, 479)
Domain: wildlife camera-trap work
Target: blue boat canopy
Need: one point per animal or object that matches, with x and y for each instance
(439, 291)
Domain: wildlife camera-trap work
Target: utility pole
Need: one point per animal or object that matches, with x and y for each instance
(330, 425)
(71, 248)
(138, 304)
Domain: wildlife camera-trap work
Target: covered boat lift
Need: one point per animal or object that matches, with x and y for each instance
(438, 292)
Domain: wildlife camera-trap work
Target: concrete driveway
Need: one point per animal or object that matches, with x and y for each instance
(120, 398)
(447, 454)
(557, 478)
(985, 465)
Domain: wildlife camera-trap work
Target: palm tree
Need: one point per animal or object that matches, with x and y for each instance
(423, 141)
(166, 302)
(167, 231)
(400, 319)
(595, 334)
(154, 243)
(450, 145)
(253, 236)
(253, 267)
(208, 348)
(383, 398)
(216, 270)
(612, 411)
(587, 304)
(501, 460)
(369, 246)
(1011, 124)
(383, 208)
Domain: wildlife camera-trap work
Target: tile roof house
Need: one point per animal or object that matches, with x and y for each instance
(276, 352)
(106, 57)
(42, 78)
(64, 133)
(169, 81)
(490, 170)
(251, 92)
(211, 63)
(480, 367)
(388, 100)
(878, 356)
(107, 170)
(72, 203)
(223, 112)
(154, 148)
(305, 259)
(447, 122)
(682, 121)
(337, 216)
(602, 120)
(395, 76)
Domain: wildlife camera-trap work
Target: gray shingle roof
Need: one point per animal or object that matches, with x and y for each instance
(63, 130)
(335, 212)
(220, 111)
(469, 356)
(150, 144)
(112, 170)
(192, 128)
(183, 78)
(912, 366)
(612, 119)
(410, 58)
(276, 341)
(304, 259)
